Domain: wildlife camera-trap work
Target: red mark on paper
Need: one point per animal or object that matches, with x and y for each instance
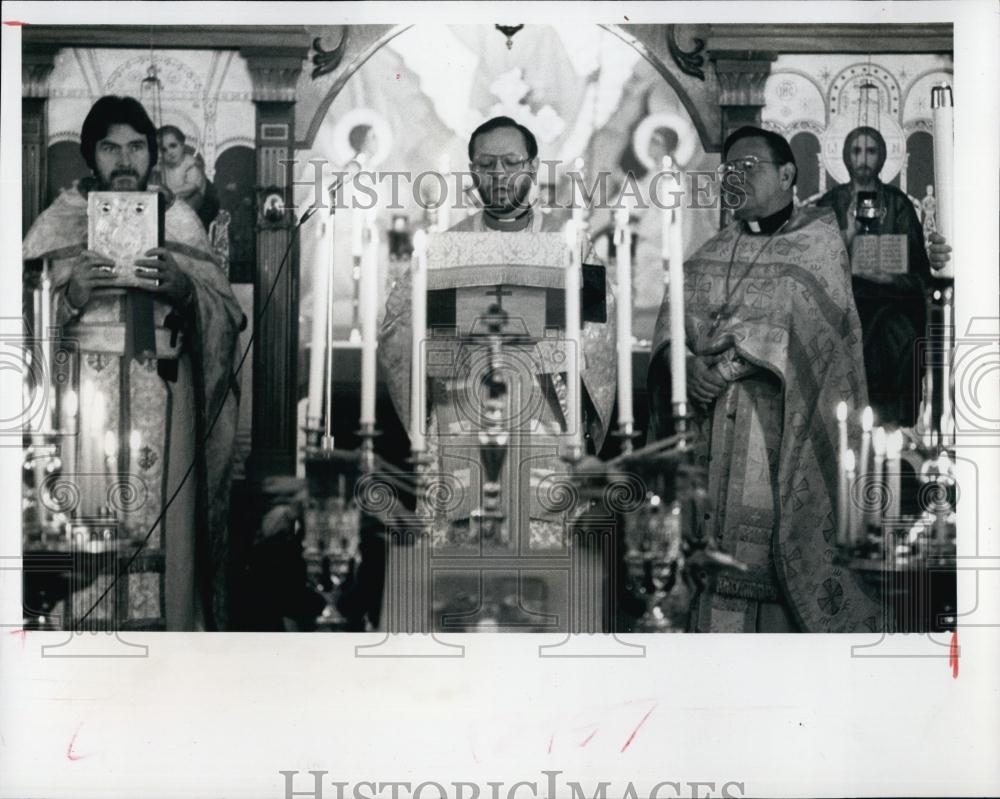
(13, 23)
(953, 654)
(635, 732)
(70, 754)
(552, 739)
(587, 739)
(21, 632)
(397, 76)
(626, 18)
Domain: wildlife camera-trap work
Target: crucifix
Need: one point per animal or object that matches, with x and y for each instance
(499, 293)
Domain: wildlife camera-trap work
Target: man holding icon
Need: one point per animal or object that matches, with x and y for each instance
(889, 292)
(146, 401)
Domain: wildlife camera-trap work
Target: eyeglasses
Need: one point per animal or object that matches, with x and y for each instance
(510, 162)
(747, 164)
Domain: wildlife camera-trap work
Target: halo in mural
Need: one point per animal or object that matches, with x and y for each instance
(362, 130)
(833, 147)
(682, 129)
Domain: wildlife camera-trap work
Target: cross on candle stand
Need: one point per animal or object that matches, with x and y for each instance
(499, 293)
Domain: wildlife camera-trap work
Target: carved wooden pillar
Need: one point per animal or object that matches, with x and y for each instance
(275, 349)
(36, 66)
(741, 86)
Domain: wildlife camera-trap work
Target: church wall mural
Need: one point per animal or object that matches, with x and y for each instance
(816, 100)
(204, 93)
(592, 101)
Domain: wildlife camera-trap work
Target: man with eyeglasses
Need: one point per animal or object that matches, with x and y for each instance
(892, 307)
(503, 157)
(773, 343)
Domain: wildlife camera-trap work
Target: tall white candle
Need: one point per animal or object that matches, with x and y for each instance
(46, 324)
(850, 518)
(942, 114)
(878, 445)
(623, 251)
(666, 220)
(358, 216)
(579, 211)
(841, 429)
(444, 212)
(322, 313)
(864, 476)
(368, 296)
(419, 309)
(947, 419)
(893, 448)
(572, 337)
(678, 341)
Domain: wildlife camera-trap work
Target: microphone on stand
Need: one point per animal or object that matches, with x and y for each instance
(351, 168)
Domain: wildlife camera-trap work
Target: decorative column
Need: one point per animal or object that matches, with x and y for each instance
(741, 76)
(275, 381)
(36, 66)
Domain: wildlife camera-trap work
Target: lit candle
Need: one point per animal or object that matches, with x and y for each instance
(667, 218)
(942, 115)
(572, 338)
(357, 254)
(867, 419)
(110, 454)
(842, 428)
(947, 420)
(369, 314)
(419, 308)
(46, 324)
(878, 444)
(71, 405)
(322, 313)
(623, 251)
(847, 531)
(678, 340)
(579, 215)
(893, 448)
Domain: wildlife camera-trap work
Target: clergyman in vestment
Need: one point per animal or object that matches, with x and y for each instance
(149, 398)
(773, 344)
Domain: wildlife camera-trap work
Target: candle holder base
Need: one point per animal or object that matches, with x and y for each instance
(627, 435)
(682, 422)
(368, 434)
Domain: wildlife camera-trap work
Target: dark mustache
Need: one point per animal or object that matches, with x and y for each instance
(121, 173)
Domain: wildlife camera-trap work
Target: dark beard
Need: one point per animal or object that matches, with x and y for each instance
(121, 173)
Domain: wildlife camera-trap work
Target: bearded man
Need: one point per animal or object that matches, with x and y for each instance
(892, 307)
(149, 391)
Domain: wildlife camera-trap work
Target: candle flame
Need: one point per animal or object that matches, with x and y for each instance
(894, 444)
(96, 404)
(849, 461)
(878, 441)
(419, 243)
(867, 417)
(667, 163)
(570, 233)
(135, 440)
(110, 444)
(841, 411)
